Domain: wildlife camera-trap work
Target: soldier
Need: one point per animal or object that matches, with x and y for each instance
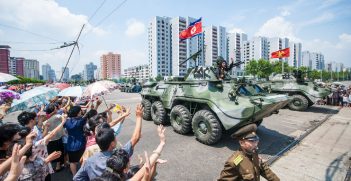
(245, 164)
(223, 68)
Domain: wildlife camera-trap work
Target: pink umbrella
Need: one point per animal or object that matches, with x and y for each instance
(95, 89)
(62, 86)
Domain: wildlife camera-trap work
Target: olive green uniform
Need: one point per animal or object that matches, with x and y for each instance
(241, 166)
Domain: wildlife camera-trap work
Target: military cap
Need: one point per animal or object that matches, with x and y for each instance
(247, 132)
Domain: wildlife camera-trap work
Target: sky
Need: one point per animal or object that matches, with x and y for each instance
(33, 27)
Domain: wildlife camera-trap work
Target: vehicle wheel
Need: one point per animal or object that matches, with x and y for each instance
(206, 127)
(180, 118)
(299, 103)
(147, 109)
(259, 122)
(158, 113)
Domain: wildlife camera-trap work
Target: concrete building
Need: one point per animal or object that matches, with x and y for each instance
(89, 71)
(65, 76)
(255, 49)
(31, 68)
(215, 44)
(45, 69)
(97, 74)
(295, 58)
(110, 66)
(16, 66)
(141, 73)
(52, 75)
(313, 60)
(159, 46)
(235, 48)
(4, 58)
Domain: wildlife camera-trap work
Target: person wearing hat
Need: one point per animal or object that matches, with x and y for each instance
(245, 164)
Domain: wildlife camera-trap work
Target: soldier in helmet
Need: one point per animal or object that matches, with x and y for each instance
(245, 164)
(223, 68)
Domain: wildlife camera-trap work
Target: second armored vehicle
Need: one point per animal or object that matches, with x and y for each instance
(207, 106)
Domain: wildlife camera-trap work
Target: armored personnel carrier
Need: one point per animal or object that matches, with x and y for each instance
(304, 93)
(202, 103)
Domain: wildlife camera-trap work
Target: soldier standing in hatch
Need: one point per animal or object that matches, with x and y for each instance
(223, 68)
(245, 164)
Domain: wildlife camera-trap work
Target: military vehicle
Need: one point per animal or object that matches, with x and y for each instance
(131, 86)
(304, 93)
(202, 103)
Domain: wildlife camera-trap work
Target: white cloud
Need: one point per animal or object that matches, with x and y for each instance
(345, 37)
(134, 28)
(236, 30)
(332, 51)
(278, 27)
(133, 57)
(320, 19)
(43, 16)
(285, 12)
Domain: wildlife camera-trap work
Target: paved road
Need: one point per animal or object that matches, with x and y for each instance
(191, 160)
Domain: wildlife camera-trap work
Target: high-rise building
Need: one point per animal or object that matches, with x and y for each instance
(45, 69)
(89, 70)
(110, 66)
(235, 48)
(257, 48)
(141, 73)
(31, 68)
(181, 50)
(295, 58)
(313, 60)
(65, 76)
(4, 58)
(159, 45)
(211, 45)
(275, 44)
(16, 66)
(52, 75)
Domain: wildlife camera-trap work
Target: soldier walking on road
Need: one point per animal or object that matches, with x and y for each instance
(245, 164)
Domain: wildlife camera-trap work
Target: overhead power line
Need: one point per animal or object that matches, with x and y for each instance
(33, 33)
(108, 15)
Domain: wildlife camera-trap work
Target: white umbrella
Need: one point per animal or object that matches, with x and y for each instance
(76, 91)
(7, 77)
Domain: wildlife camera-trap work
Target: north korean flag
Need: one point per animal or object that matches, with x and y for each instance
(194, 29)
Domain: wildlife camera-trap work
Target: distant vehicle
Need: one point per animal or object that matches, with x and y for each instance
(132, 86)
(304, 93)
(202, 103)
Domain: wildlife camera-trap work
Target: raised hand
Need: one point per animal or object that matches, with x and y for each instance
(16, 164)
(161, 133)
(126, 113)
(53, 156)
(139, 111)
(30, 137)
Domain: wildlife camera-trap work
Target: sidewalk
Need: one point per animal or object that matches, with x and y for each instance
(322, 155)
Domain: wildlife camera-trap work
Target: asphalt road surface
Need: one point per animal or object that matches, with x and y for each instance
(188, 159)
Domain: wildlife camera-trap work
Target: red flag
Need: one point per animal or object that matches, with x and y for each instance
(194, 29)
(281, 53)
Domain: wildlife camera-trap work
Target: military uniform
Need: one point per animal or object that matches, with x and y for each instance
(244, 166)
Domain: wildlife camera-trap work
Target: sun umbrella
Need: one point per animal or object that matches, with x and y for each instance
(109, 84)
(62, 86)
(95, 89)
(7, 77)
(75, 91)
(36, 96)
(6, 95)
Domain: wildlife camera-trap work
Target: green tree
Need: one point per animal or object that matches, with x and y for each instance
(277, 67)
(264, 68)
(252, 68)
(159, 77)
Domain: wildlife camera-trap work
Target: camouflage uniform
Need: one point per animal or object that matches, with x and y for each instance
(244, 166)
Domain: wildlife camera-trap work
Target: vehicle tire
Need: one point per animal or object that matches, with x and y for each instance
(299, 103)
(158, 113)
(206, 127)
(147, 109)
(259, 122)
(180, 119)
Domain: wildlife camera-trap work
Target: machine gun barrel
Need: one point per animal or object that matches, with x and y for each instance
(194, 56)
